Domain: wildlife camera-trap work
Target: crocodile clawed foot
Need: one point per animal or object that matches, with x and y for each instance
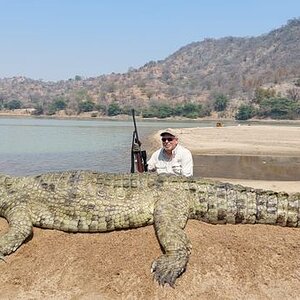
(167, 268)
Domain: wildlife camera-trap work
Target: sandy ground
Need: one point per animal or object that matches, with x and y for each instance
(227, 261)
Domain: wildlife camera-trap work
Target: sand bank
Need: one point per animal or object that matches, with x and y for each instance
(276, 148)
(241, 140)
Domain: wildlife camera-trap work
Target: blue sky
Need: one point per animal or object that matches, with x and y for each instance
(58, 39)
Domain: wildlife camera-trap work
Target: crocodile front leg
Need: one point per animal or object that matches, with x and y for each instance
(170, 217)
(20, 227)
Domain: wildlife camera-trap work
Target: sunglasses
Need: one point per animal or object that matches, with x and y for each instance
(170, 139)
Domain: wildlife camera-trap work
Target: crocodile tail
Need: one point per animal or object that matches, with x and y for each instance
(221, 203)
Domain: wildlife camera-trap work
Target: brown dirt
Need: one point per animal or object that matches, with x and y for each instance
(227, 262)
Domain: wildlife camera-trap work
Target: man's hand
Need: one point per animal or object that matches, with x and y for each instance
(136, 147)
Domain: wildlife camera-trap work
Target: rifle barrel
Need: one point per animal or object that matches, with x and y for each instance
(135, 128)
(138, 159)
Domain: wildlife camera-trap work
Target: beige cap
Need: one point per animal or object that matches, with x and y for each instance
(168, 132)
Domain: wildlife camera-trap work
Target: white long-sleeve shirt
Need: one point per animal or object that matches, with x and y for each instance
(181, 162)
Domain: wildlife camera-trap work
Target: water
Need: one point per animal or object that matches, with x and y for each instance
(261, 167)
(33, 146)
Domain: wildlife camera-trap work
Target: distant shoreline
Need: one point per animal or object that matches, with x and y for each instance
(87, 116)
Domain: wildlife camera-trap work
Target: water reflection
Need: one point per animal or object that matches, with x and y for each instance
(248, 167)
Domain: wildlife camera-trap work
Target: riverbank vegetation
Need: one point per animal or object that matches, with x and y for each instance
(265, 104)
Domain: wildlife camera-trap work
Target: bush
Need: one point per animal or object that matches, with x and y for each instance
(164, 111)
(13, 104)
(220, 102)
(59, 104)
(245, 112)
(86, 106)
(191, 110)
(114, 109)
(149, 113)
(56, 105)
(159, 110)
(279, 108)
(261, 94)
(188, 110)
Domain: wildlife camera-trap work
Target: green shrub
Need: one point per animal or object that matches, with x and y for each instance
(56, 105)
(279, 108)
(114, 109)
(13, 104)
(245, 112)
(220, 102)
(86, 106)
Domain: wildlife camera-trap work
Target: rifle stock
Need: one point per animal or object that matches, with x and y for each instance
(139, 163)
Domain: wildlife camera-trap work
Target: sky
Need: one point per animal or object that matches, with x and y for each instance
(54, 40)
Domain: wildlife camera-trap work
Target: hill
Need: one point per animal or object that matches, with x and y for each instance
(231, 68)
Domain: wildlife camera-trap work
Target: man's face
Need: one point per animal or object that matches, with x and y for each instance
(169, 142)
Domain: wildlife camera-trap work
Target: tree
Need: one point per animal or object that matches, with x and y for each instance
(279, 108)
(220, 102)
(261, 94)
(114, 109)
(13, 104)
(1, 101)
(149, 113)
(86, 106)
(56, 105)
(245, 112)
(60, 104)
(191, 110)
(164, 111)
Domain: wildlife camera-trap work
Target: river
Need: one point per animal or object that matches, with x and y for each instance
(34, 145)
(31, 146)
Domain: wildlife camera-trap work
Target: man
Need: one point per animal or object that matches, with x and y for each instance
(172, 158)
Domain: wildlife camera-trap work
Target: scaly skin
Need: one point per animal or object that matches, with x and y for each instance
(86, 201)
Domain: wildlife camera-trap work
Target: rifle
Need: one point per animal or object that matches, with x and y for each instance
(138, 156)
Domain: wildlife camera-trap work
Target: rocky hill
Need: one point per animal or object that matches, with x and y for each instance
(231, 66)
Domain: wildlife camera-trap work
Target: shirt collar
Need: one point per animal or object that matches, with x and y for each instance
(174, 151)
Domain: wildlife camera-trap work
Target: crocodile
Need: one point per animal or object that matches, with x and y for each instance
(88, 201)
